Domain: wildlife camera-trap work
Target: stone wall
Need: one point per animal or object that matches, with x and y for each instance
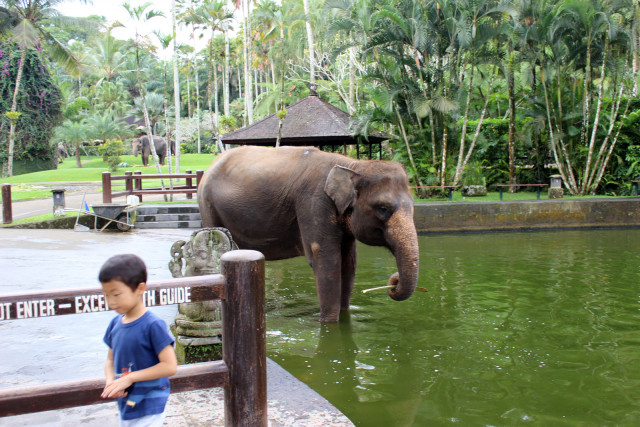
(529, 215)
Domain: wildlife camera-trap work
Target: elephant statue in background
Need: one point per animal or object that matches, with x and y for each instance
(294, 201)
(141, 145)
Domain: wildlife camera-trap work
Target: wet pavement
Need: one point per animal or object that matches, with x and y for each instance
(34, 351)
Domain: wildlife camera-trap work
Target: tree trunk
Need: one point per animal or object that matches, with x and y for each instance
(479, 126)
(463, 135)
(512, 118)
(195, 67)
(78, 159)
(225, 78)
(216, 103)
(176, 87)
(443, 166)
(14, 106)
(312, 59)
(246, 35)
(416, 178)
(596, 119)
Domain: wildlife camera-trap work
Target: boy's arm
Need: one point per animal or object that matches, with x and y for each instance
(166, 367)
(109, 371)
(110, 374)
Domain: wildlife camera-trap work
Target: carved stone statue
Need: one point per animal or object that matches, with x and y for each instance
(197, 325)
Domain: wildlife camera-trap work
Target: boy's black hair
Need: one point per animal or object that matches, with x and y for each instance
(127, 268)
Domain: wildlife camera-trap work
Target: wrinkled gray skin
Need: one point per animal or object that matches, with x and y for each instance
(293, 201)
(141, 145)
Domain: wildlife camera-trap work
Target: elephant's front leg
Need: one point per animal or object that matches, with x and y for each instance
(327, 267)
(348, 271)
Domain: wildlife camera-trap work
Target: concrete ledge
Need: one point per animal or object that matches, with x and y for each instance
(526, 215)
(63, 222)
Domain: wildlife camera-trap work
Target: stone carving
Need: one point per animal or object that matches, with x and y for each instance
(199, 324)
(474, 190)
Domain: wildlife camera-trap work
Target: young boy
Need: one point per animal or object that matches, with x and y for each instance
(141, 355)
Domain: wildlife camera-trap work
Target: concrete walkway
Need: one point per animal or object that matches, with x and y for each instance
(290, 403)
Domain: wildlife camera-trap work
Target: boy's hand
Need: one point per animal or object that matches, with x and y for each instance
(116, 388)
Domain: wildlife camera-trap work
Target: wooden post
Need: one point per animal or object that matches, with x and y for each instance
(189, 182)
(128, 182)
(7, 213)
(199, 175)
(138, 183)
(106, 187)
(244, 339)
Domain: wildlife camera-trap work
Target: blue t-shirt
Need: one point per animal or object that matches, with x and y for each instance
(135, 347)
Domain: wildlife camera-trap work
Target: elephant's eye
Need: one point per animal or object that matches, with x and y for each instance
(383, 212)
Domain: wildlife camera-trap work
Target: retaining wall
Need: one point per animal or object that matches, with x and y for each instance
(528, 215)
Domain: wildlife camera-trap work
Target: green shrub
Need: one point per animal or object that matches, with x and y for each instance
(111, 152)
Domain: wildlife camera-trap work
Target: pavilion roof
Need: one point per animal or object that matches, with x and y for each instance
(310, 121)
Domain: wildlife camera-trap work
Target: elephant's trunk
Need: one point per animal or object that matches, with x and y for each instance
(403, 241)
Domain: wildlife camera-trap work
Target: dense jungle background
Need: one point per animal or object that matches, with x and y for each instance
(470, 91)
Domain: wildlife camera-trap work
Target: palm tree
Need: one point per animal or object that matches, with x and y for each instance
(246, 46)
(312, 60)
(155, 108)
(108, 126)
(176, 83)
(111, 97)
(585, 22)
(109, 56)
(214, 15)
(75, 133)
(190, 17)
(165, 41)
(141, 14)
(33, 18)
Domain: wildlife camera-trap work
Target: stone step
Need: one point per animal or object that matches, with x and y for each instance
(170, 224)
(168, 216)
(168, 209)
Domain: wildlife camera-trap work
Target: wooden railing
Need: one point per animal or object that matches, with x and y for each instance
(537, 186)
(242, 370)
(448, 188)
(133, 184)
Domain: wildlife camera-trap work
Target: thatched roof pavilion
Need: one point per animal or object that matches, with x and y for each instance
(310, 121)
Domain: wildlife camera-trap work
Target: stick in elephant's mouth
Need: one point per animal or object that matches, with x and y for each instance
(418, 288)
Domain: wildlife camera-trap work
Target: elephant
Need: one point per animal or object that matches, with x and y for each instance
(300, 201)
(142, 145)
(61, 152)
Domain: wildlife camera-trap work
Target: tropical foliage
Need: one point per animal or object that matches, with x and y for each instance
(513, 90)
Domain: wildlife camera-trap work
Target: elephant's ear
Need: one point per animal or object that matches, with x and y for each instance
(340, 187)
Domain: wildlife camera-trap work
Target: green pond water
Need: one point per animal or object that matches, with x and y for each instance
(537, 328)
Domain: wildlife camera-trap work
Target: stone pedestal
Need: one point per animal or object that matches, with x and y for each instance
(556, 193)
(474, 190)
(197, 326)
(555, 188)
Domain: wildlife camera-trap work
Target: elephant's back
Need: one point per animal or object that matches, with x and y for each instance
(265, 165)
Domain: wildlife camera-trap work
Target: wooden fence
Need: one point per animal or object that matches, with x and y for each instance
(133, 184)
(242, 371)
(7, 213)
